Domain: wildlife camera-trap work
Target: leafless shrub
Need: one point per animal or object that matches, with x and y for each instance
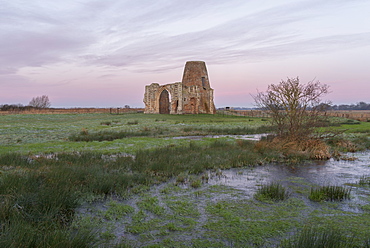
(40, 102)
(294, 107)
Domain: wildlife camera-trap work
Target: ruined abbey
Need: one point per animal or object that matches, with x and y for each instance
(193, 95)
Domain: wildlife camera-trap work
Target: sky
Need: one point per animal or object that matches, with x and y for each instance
(102, 53)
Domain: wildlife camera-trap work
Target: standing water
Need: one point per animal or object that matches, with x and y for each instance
(223, 213)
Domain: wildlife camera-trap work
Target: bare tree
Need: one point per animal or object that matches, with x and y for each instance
(294, 107)
(40, 102)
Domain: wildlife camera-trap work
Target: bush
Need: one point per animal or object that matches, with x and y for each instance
(295, 108)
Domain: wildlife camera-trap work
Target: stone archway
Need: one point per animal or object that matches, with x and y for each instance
(164, 102)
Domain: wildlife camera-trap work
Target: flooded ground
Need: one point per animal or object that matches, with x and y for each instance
(317, 173)
(221, 211)
(255, 137)
(330, 172)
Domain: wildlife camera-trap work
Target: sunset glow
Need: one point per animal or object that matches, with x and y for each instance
(103, 53)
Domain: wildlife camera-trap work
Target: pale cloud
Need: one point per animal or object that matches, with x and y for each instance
(266, 34)
(135, 35)
(141, 36)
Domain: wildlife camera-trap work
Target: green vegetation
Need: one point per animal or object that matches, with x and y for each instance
(146, 189)
(364, 181)
(330, 193)
(311, 237)
(53, 133)
(271, 192)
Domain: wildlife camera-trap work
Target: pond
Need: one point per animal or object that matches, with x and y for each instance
(318, 173)
(222, 212)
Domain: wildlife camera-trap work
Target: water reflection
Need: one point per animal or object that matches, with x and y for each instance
(309, 174)
(243, 137)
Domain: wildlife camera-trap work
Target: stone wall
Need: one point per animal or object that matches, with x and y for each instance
(193, 95)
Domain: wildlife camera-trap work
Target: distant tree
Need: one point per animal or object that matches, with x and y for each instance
(362, 106)
(13, 107)
(358, 106)
(127, 106)
(294, 107)
(40, 102)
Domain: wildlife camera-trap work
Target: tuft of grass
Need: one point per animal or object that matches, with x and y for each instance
(311, 237)
(117, 211)
(271, 192)
(181, 178)
(151, 204)
(329, 193)
(364, 181)
(135, 122)
(196, 183)
(106, 123)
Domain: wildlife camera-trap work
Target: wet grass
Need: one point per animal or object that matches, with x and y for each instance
(40, 195)
(106, 135)
(48, 178)
(229, 131)
(311, 237)
(271, 192)
(42, 192)
(109, 135)
(50, 133)
(330, 193)
(364, 181)
(347, 126)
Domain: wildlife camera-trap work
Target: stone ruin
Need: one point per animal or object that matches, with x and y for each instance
(193, 95)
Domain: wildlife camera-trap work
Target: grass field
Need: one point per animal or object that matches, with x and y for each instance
(50, 133)
(59, 192)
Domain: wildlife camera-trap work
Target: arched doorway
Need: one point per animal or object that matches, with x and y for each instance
(164, 102)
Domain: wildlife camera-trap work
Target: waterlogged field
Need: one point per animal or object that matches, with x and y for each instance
(51, 133)
(131, 183)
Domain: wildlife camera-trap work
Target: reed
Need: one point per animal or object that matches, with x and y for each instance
(271, 192)
(311, 237)
(106, 135)
(329, 193)
(364, 181)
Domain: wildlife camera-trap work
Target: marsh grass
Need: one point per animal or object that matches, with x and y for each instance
(311, 237)
(135, 122)
(170, 161)
(240, 130)
(107, 135)
(196, 183)
(39, 194)
(106, 123)
(271, 192)
(364, 181)
(117, 210)
(329, 193)
(150, 204)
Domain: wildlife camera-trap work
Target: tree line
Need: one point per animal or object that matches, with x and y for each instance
(358, 106)
(36, 102)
